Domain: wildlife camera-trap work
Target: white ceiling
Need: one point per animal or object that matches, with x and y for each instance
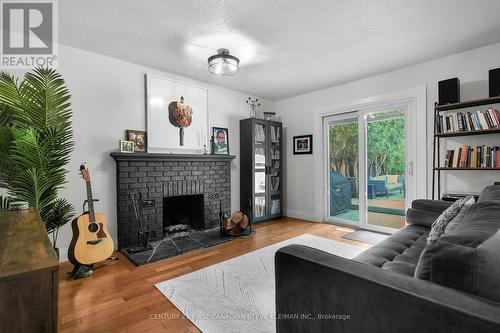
(286, 47)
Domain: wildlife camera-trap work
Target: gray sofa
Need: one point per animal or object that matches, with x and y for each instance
(377, 291)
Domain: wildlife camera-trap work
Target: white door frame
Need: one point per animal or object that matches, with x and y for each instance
(414, 100)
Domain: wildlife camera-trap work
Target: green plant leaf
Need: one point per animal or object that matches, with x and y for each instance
(36, 141)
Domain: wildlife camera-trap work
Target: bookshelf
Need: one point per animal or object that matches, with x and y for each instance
(261, 168)
(467, 126)
(467, 168)
(468, 104)
(468, 133)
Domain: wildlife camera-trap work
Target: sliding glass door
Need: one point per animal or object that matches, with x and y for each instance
(385, 168)
(366, 157)
(343, 168)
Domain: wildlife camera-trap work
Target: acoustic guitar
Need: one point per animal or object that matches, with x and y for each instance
(91, 241)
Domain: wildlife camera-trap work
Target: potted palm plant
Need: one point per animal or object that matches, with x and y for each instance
(36, 140)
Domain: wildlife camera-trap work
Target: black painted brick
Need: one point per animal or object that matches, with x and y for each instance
(153, 176)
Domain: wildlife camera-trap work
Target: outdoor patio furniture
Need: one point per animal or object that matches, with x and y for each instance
(380, 187)
(386, 184)
(341, 195)
(402, 189)
(372, 194)
(393, 182)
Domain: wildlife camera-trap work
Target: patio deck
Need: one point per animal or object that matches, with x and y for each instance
(382, 211)
(376, 219)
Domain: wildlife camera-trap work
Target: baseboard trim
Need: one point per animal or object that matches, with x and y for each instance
(301, 215)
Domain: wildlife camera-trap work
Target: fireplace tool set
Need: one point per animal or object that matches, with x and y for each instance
(144, 233)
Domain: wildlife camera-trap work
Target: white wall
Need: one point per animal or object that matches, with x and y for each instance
(108, 97)
(470, 67)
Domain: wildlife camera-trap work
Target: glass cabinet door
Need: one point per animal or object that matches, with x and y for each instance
(260, 179)
(275, 170)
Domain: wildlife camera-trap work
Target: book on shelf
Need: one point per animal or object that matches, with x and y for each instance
(275, 206)
(473, 157)
(454, 122)
(260, 206)
(260, 135)
(275, 184)
(463, 156)
(275, 134)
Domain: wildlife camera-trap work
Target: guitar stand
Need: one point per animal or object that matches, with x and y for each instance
(139, 249)
(80, 272)
(86, 202)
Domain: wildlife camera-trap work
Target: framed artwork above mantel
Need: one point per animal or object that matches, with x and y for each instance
(176, 116)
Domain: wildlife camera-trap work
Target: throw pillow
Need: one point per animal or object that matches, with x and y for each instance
(467, 258)
(470, 200)
(490, 193)
(438, 227)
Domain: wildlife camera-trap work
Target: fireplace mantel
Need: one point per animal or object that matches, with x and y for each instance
(118, 156)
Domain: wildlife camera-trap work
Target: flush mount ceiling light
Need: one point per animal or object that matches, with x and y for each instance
(223, 63)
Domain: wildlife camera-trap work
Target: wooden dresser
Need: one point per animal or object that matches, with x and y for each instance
(28, 274)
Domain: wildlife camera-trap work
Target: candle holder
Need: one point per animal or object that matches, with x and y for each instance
(253, 104)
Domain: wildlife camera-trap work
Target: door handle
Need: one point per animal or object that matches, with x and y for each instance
(409, 168)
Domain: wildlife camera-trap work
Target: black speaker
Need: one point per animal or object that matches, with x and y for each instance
(494, 82)
(449, 91)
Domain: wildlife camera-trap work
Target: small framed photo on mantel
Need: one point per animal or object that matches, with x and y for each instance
(126, 146)
(220, 141)
(303, 144)
(139, 138)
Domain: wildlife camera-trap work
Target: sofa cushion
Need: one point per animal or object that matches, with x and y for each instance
(490, 193)
(468, 257)
(424, 212)
(392, 179)
(460, 216)
(438, 227)
(437, 206)
(400, 252)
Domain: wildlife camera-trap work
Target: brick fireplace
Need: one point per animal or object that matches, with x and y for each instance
(163, 178)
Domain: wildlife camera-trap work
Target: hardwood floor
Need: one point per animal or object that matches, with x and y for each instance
(120, 297)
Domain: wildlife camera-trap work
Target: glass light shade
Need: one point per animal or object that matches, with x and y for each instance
(223, 63)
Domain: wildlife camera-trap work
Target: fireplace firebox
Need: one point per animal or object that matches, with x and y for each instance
(183, 212)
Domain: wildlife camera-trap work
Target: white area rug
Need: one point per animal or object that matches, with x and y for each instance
(237, 295)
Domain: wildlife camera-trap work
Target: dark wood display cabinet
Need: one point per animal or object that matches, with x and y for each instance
(261, 168)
